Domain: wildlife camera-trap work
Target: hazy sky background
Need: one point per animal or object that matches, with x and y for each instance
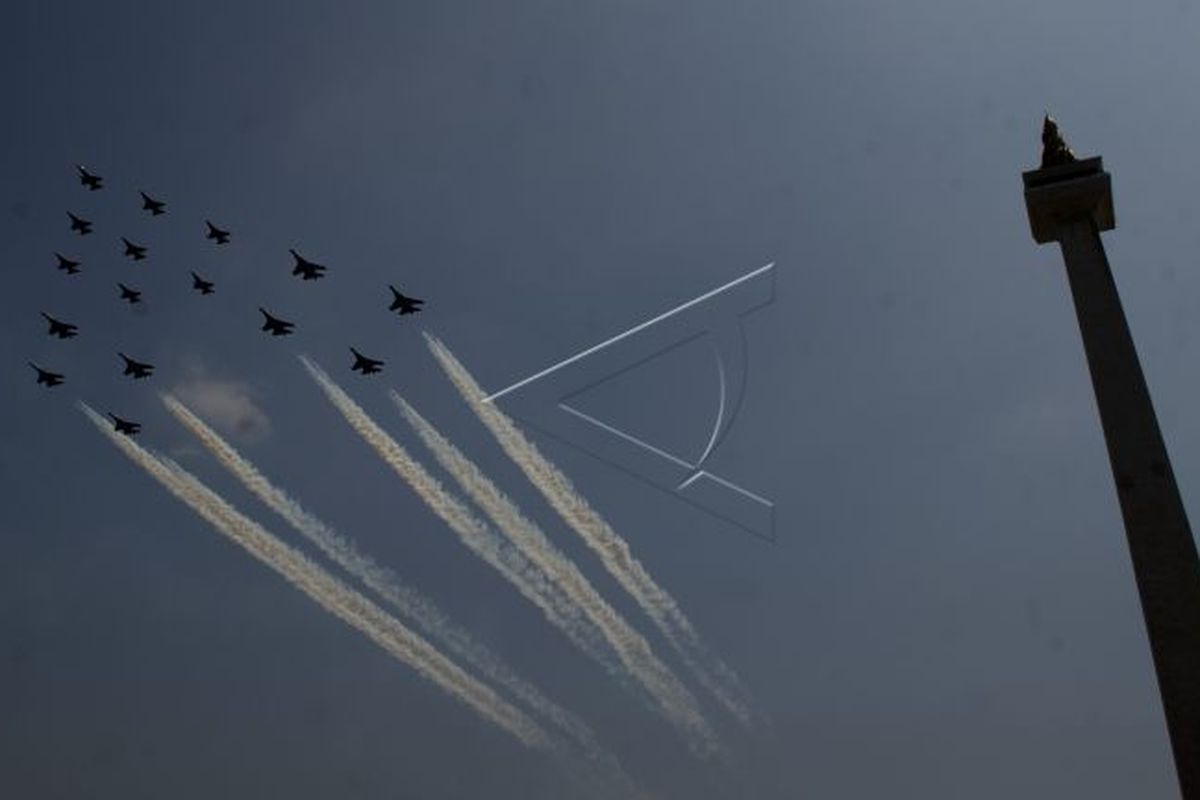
(948, 610)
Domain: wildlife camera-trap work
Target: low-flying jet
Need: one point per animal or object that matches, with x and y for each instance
(125, 426)
(306, 269)
(132, 295)
(89, 180)
(80, 224)
(274, 325)
(214, 232)
(136, 368)
(405, 305)
(155, 207)
(367, 366)
(63, 330)
(135, 251)
(46, 376)
(200, 285)
(66, 264)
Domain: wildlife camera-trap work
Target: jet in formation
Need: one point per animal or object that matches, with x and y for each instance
(214, 232)
(274, 325)
(405, 305)
(63, 330)
(89, 180)
(46, 376)
(306, 269)
(132, 295)
(80, 224)
(137, 369)
(135, 251)
(66, 264)
(367, 366)
(125, 426)
(155, 207)
(200, 285)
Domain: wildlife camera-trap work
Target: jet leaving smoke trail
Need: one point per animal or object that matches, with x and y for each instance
(386, 583)
(474, 532)
(330, 593)
(613, 550)
(675, 700)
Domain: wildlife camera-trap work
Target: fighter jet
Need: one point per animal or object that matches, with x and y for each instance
(132, 295)
(66, 264)
(155, 207)
(200, 285)
(136, 368)
(306, 269)
(63, 330)
(367, 366)
(274, 325)
(125, 426)
(214, 232)
(134, 251)
(89, 180)
(80, 224)
(405, 305)
(46, 376)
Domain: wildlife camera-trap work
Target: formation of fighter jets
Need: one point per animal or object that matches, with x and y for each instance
(132, 295)
(134, 251)
(274, 325)
(302, 268)
(306, 269)
(200, 285)
(367, 366)
(63, 330)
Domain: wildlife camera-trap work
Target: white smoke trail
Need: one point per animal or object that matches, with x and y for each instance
(612, 549)
(387, 584)
(330, 593)
(530, 581)
(676, 702)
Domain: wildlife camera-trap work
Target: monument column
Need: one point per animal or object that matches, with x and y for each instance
(1070, 201)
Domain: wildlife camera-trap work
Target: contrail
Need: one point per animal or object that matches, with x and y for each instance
(386, 583)
(330, 593)
(474, 532)
(613, 550)
(676, 702)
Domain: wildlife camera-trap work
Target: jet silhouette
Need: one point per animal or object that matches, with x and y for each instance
(66, 264)
(132, 295)
(89, 180)
(63, 330)
(214, 232)
(136, 368)
(135, 251)
(274, 325)
(405, 305)
(306, 269)
(367, 366)
(200, 285)
(125, 426)
(80, 224)
(155, 207)
(46, 376)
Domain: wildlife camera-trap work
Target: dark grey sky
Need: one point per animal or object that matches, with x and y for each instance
(948, 610)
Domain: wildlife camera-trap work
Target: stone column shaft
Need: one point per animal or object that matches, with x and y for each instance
(1165, 562)
(1071, 203)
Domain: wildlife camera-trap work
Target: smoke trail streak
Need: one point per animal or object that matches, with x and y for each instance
(612, 549)
(387, 584)
(472, 531)
(330, 593)
(679, 705)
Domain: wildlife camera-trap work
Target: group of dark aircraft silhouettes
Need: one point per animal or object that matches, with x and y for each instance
(303, 269)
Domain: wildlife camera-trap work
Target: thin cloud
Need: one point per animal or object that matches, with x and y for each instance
(228, 404)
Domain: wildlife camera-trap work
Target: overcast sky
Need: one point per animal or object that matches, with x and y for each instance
(947, 609)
